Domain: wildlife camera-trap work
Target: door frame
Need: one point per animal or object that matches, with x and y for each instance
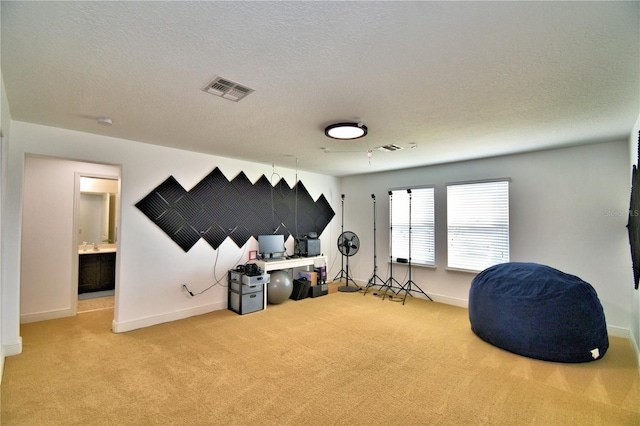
(75, 257)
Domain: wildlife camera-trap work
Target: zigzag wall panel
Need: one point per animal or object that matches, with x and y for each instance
(216, 209)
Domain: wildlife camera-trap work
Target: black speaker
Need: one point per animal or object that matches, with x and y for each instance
(308, 247)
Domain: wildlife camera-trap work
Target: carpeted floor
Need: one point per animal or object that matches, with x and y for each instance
(343, 359)
(95, 304)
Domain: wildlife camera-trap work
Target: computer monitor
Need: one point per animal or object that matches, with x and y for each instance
(271, 246)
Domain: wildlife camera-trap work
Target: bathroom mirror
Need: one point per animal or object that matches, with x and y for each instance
(97, 210)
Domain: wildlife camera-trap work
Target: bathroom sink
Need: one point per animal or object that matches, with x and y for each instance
(106, 248)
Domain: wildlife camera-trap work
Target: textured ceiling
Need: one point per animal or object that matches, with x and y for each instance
(461, 80)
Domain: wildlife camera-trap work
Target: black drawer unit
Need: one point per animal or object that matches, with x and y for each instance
(246, 293)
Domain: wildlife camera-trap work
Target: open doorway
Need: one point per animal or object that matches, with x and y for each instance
(96, 231)
(49, 241)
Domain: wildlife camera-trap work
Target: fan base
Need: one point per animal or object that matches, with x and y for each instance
(347, 289)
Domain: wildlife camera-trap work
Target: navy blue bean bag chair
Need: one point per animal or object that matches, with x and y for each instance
(539, 312)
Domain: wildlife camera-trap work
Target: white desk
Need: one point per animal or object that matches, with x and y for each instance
(298, 262)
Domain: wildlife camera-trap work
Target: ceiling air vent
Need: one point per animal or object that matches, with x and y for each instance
(227, 89)
(389, 148)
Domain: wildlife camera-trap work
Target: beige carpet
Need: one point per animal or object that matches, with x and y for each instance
(90, 305)
(342, 359)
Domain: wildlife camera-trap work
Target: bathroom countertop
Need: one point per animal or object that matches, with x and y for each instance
(102, 248)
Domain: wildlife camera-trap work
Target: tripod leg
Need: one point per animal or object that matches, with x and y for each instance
(389, 286)
(408, 288)
(347, 288)
(406, 292)
(339, 275)
(372, 283)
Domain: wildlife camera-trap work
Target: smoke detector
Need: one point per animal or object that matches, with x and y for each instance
(227, 89)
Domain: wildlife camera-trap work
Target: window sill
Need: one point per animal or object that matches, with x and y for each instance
(466, 271)
(420, 265)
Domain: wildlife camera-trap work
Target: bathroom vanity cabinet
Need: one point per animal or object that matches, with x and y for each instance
(96, 272)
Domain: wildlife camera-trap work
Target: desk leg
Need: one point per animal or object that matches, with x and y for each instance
(264, 290)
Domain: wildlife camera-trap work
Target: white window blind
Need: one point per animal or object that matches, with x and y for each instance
(478, 224)
(422, 225)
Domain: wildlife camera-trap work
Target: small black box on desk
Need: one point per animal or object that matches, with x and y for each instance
(300, 289)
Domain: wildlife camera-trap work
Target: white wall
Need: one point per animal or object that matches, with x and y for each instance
(568, 210)
(8, 345)
(151, 267)
(49, 255)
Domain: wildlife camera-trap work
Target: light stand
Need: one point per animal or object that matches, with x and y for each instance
(389, 283)
(374, 275)
(342, 273)
(407, 286)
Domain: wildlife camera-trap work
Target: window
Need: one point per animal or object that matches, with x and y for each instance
(478, 224)
(419, 227)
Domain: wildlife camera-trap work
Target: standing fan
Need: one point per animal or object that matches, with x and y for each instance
(348, 245)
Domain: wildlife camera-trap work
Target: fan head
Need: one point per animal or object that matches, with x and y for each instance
(348, 243)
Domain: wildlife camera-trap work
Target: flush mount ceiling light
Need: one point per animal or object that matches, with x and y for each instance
(346, 131)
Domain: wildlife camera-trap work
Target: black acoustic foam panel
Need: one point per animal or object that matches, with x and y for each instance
(216, 208)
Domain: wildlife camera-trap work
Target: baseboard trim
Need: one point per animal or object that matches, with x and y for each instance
(626, 334)
(124, 326)
(11, 349)
(47, 315)
(446, 300)
(619, 332)
(463, 303)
